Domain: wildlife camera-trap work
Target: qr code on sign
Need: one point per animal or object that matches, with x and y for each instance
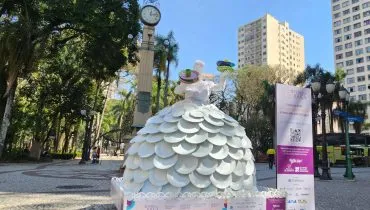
(295, 135)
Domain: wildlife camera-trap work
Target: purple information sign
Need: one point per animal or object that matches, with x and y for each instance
(294, 160)
(275, 204)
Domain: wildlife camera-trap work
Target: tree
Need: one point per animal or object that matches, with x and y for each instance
(44, 27)
(358, 108)
(159, 66)
(172, 48)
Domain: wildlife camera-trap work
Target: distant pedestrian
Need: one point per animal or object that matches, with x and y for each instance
(94, 155)
(271, 157)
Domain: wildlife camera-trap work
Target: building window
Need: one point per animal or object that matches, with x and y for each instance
(365, 14)
(347, 37)
(350, 80)
(359, 51)
(356, 25)
(337, 40)
(340, 64)
(338, 31)
(351, 89)
(361, 88)
(360, 69)
(362, 97)
(347, 28)
(355, 9)
(349, 63)
(367, 31)
(358, 43)
(335, 1)
(348, 54)
(355, 1)
(336, 7)
(359, 60)
(356, 17)
(368, 67)
(368, 49)
(346, 12)
(365, 5)
(337, 23)
(350, 71)
(367, 40)
(346, 3)
(346, 20)
(348, 46)
(338, 48)
(360, 78)
(367, 58)
(357, 34)
(367, 22)
(336, 15)
(339, 56)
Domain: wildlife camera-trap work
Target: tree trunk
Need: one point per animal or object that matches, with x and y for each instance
(58, 134)
(159, 85)
(6, 117)
(331, 118)
(67, 132)
(3, 85)
(35, 150)
(165, 101)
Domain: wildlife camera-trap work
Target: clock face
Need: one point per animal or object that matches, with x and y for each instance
(150, 15)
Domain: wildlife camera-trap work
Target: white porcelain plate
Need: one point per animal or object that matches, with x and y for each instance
(158, 177)
(147, 163)
(168, 127)
(236, 154)
(188, 127)
(219, 152)
(197, 138)
(226, 166)
(213, 121)
(132, 162)
(153, 138)
(171, 119)
(196, 114)
(184, 148)
(249, 169)
(164, 163)
(207, 166)
(203, 149)
(209, 127)
(146, 150)
(149, 187)
(174, 137)
(221, 181)
(176, 179)
(191, 119)
(234, 142)
(217, 139)
(186, 164)
(198, 180)
(164, 149)
(140, 176)
(190, 188)
(133, 149)
(168, 188)
(239, 169)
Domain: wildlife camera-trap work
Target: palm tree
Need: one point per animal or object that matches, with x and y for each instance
(358, 108)
(159, 66)
(172, 48)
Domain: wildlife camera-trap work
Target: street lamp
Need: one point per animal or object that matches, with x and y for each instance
(315, 107)
(344, 96)
(324, 95)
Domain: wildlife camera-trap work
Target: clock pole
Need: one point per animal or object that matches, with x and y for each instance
(144, 78)
(150, 16)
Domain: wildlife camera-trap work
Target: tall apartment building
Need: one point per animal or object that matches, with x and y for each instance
(351, 36)
(268, 41)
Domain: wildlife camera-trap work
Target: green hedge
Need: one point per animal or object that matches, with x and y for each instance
(65, 156)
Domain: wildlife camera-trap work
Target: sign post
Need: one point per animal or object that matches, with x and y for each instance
(295, 168)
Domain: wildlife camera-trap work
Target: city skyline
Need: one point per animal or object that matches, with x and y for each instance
(208, 30)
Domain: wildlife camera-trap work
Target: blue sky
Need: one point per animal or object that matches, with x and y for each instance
(207, 29)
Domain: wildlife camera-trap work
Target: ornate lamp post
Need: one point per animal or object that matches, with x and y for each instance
(323, 96)
(315, 107)
(344, 96)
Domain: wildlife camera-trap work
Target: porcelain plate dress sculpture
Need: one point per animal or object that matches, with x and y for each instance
(190, 146)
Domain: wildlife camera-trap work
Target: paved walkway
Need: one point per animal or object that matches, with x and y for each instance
(67, 185)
